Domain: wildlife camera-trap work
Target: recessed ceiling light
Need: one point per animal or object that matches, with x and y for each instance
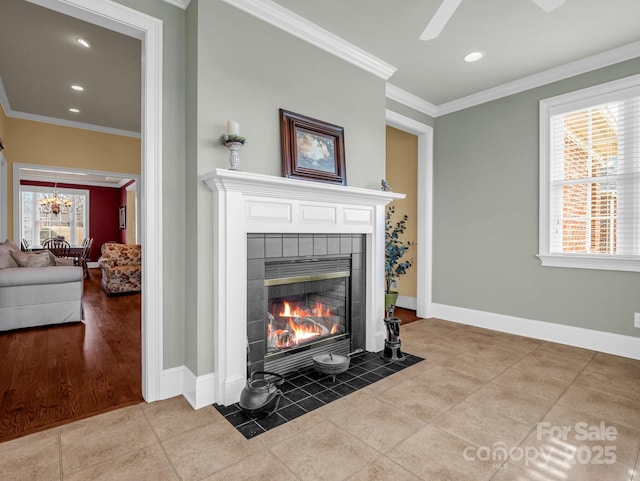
(473, 56)
(74, 110)
(84, 42)
(79, 88)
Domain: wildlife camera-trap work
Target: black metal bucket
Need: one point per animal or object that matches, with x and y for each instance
(261, 397)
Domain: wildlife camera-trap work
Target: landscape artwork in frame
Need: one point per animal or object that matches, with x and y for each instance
(312, 149)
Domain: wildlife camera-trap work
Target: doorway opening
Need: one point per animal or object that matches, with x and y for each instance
(129, 22)
(425, 207)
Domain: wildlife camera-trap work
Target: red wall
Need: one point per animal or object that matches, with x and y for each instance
(104, 203)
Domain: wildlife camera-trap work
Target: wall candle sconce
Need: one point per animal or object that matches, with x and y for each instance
(233, 141)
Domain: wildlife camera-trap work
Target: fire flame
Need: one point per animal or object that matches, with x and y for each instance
(297, 333)
(319, 310)
(303, 332)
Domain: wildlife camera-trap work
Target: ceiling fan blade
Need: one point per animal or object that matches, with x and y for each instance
(549, 5)
(440, 19)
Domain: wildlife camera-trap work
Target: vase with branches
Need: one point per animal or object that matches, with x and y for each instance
(395, 249)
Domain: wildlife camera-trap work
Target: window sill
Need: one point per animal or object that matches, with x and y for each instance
(607, 263)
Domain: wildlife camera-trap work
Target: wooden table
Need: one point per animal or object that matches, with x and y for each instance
(75, 252)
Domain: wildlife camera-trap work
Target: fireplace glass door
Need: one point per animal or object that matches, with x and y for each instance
(305, 310)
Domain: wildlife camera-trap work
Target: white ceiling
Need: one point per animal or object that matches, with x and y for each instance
(39, 61)
(518, 37)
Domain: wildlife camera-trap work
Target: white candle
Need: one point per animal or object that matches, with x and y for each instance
(233, 128)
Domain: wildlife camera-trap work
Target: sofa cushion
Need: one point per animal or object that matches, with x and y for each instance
(6, 260)
(122, 254)
(32, 259)
(9, 246)
(40, 296)
(25, 276)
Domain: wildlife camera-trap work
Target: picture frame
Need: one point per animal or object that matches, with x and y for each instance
(312, 149)
(123, 217)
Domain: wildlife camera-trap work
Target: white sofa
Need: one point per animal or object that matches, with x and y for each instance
(40, 296)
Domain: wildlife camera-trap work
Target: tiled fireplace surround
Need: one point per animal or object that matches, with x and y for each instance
(247, 203)
(263, 249)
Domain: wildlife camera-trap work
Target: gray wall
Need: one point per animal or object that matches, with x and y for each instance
(191, 244)
(220, 64)
(246, 70)
(486, 220)
(173, 173)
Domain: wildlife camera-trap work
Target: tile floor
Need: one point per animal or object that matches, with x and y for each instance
(308, 390)
(556, 412)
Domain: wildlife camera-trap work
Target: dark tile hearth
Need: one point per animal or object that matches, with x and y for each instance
(308, 389)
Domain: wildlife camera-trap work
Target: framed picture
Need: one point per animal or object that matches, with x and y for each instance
(123, 217)
(311, 149)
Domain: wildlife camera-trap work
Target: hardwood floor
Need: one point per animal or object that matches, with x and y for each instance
(405, 315)
(53, 375)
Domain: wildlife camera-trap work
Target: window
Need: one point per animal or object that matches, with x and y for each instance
(590, 177)
(71, 222)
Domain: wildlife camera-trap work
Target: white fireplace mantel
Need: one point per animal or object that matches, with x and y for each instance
(245, 203)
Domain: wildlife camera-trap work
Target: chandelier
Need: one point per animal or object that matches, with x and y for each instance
(55, 203)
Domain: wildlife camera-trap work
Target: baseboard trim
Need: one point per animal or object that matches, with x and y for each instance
(198, 390)
(407, 302)
(172, 382)
(610, 343)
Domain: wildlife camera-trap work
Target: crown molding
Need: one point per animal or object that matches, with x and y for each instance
(410, 100)
(72, 124)
(125, 178)
(92, 183)
(183, 4)
(280, 17)
(407, 124)
(286, 20)
(4, 100)
(571, 69)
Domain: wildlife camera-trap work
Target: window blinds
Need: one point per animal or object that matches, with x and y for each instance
(594, 177)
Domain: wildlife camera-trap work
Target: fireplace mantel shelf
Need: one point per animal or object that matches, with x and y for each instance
(261, 185)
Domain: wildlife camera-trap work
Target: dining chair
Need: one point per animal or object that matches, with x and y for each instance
(25, 245)
(86, 251)
(59, 247)
(47, 242)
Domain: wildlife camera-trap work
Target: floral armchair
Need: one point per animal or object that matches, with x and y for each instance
(121, 266)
